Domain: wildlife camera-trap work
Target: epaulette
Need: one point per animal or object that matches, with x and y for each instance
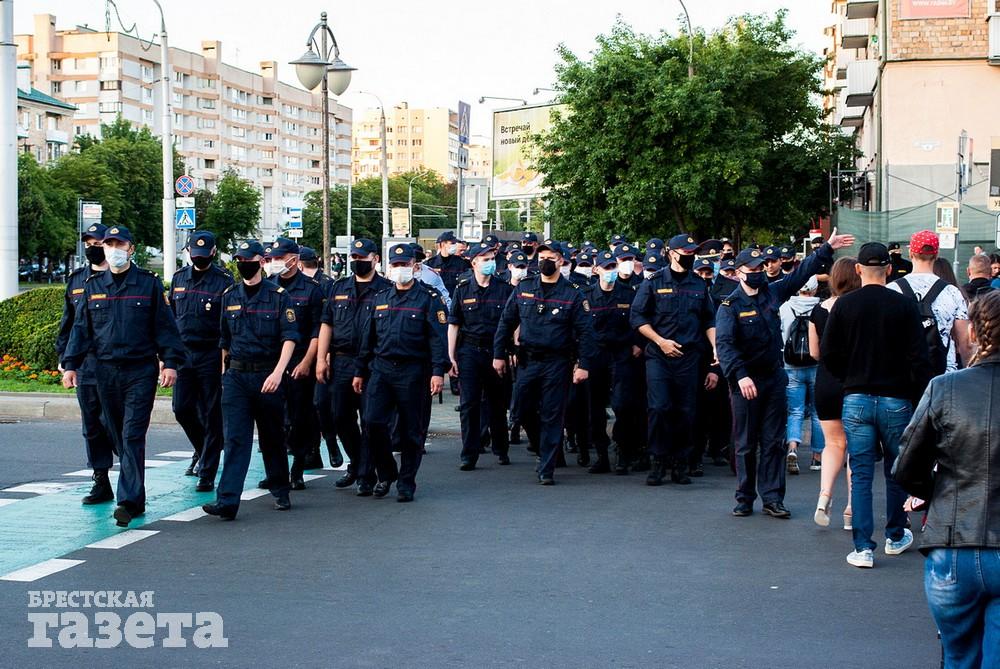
(278, 289)
(79, 269)
(312, 280)
(149, 272)
(463, 280)
(93, 275)
(232, 287)
(725, 302)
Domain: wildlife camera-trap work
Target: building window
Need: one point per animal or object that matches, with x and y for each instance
(314, 164)
(147, 116)
(268, 136)
(147, 95)
(267, 155)
(79, 130)
(209, 163)
(147, 72)
(418, 142)
(79, 86)
(314, 181)
(178, 121)
(179, 99)
(56, 65)
(267, 102)
(204, 123)
(56, 87)
(109, 62)
(204, 82)
(111, 85)
(38, 122)
(204, 103)
(238, 114)
(237, 132)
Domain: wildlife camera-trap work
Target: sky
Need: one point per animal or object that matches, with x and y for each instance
(426, 52)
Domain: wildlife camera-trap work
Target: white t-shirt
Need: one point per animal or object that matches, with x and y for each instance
(948, 307)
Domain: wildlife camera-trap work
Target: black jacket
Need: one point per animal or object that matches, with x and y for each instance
(956, 426)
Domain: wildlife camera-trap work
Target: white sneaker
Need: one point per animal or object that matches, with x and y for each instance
(865, 558)
(792, 462)
(897, 547)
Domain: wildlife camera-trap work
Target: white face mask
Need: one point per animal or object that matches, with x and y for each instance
(401, 275)
(585, 271)
(276, 268)
(564, 270)
(452, 249)
(117, 258)
(647, 273)
(518, 273)
(625, 268)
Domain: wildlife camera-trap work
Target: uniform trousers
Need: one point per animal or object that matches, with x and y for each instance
(197, 405)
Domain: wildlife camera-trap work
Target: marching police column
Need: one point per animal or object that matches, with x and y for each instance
(403, 350)
(100, 451)
(125, 321)
(196, 299)
(258, 338)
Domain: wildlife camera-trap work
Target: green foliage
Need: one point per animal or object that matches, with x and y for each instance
(232, 212)
(43, 229)
(739, 150)
(28, 326)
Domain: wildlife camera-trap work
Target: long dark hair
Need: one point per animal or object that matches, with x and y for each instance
(943, 269)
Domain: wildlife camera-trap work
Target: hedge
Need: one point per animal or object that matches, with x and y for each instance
(29, 323)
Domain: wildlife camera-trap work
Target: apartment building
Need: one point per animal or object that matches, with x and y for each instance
(223, 117)
(43, 123)
(415, 139)
(480, 162)
(907, 77)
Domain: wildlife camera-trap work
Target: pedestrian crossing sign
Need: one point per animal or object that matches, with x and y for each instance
(184, 219)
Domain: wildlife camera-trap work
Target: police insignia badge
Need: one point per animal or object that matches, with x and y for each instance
(290, 315)
(200, 242)
(442, 318)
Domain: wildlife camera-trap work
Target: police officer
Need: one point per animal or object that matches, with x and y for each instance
(749, 345)
(529, 244)
(195, 299)
(403, 350)
(258, 338)
(448, 263)
(494, 243)
(583, 271)
(554, 323)
(626, 255)
(900, 265)
(306, 298)
(707, 402)
(100, 449)
(517, 269)
(344, 316)
(652, 263)
(674, 311)
(125, 322)
(726, 281)
(428, 277)
(612, 371)
(309, 265)
(475, 315)
(772, 264)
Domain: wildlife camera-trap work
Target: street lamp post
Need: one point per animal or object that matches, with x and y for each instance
(8, 152)
(409, 198)
(166, 137)
(385, 166)
(690, 41)
(313, 69)
(484, 98)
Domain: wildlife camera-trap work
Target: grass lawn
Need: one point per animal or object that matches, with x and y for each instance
(16, 386)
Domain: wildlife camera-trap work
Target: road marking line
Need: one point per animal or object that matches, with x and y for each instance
(6, 501)
(194, 513)
(40, 570)
(90, 472)
(174, 454)
(40, 488)
(341, 468)
(313, 477)
(158, 463)
(253, 493)
(123, 539)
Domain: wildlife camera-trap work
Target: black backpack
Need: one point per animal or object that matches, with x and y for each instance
(797, 343)
(936, 348)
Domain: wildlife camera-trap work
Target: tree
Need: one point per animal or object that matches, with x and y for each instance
(43, 230)
(739, 150)
(232, 212)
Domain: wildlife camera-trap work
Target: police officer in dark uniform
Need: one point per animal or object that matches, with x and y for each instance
(125, 322)
(788, 261)
(583, 271)
(749, 344)
(674, 311)
(517, 271)
(195, 298)
(725, 282)
(612, 371)
(258, 338)
(626, 255)
(309, 265)
(772, 263)
(306, 298)
(554, 322)
(529, 245)
(345, 314)
(715, 416)
(100, 450)
(404, 350)
(900, 265)
(448, 263)
(475, 314)
(494, 243)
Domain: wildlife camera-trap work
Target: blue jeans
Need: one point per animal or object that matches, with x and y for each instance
(963, 591)
(801, 393)
(868, 422)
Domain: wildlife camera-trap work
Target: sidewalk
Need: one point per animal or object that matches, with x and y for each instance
(56, 406)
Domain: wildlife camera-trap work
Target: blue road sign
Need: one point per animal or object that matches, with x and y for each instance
(184, 219)
(184, 185)
(464, 114)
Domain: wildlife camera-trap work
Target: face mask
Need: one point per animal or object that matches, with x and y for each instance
(488, 267)
(625, 268)
(401, 275)
(707, 279)
(276, 268)
(585, 271)
(417, 270)
(728, 255)
(685, 261)
(248, 269)
(117, 258)
(648, 274)
(756, 280)
(787, 266)
(362, 267)
(564, 270)
(610, 276)
(201, 262)
(547, 267)
(518, 273)
(95, 254)
(529, 251)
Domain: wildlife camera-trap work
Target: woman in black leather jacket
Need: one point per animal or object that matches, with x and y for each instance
(950, 455)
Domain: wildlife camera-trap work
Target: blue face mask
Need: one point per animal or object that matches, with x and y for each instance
(611, 277)
(756, 280)
(488, 267)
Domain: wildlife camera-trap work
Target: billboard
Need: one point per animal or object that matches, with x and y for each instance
(514, 177)
(934, 9)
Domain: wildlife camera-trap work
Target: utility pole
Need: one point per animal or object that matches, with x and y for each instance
(166, 137)
(963, 144)
(8, 152)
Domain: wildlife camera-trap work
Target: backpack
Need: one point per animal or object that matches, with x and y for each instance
(936, 348)
(797, 343)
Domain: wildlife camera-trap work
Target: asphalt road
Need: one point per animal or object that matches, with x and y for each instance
(485, 569)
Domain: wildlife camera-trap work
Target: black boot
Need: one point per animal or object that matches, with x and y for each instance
(657, 473)
(190, 471)
(101, 492)
(583, 457)
(570, 443)
(601, 465)
(679, 475)
(336, 457)
(622, 461)
(295, 476)
(515, 433)
(641, 463)
(314, 460)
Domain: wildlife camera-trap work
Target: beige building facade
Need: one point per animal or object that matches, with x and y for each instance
(44, 123)
(416, 139)
(223, 117)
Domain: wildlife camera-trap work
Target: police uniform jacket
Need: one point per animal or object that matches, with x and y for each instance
(405, 326)
(255, 328)
(346, 312)
(610, 313)
(554, 323)
(127, 322)
(476, 310)
(306, 297)
(450, 269)
(678, 309)
(748, 328)
(196, 301)
(72, 300)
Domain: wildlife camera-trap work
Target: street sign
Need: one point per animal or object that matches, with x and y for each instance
(184, 219)
(294, 219)
(400, 222)
(294, 233)
(91, 212)
(343, 242)
(472, 230)
(993, 204)
(463, 157)
(946, 240)
(947, 218)
(184, 203)
(464, 114)
(184, 185)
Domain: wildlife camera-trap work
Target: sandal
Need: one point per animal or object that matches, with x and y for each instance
(848, 517)
(822, 515)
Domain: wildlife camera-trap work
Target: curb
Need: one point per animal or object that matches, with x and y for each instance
(54, 406)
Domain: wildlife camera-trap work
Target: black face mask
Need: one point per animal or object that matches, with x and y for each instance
(547, 267)
(728, 255)
(201, 262)
(788, 266)
(685, 261)
(529, 250)
(95, 254)
(248, 269)
(362, 267)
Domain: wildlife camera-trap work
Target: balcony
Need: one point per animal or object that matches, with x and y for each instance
(993, 58)
(862, 77)
(855, 33)
(849, 117)
(862, 9)
(57, 136)
(844, 58)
